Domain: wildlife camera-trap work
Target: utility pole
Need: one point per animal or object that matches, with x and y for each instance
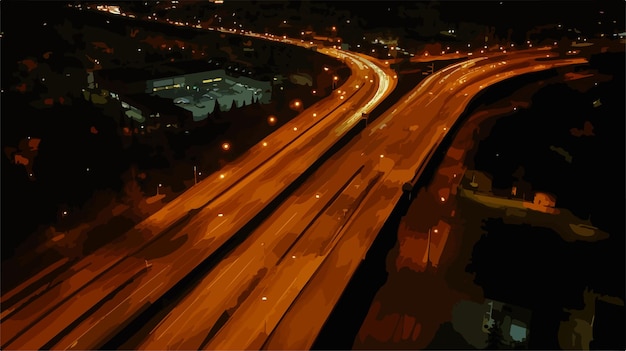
(428, 250)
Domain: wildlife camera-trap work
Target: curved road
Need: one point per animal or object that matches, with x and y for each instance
(295, 297)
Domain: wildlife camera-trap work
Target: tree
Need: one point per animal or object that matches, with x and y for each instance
(233, 106)
(217, 111)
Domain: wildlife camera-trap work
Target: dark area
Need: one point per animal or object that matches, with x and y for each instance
(526, 139)
(608, 327)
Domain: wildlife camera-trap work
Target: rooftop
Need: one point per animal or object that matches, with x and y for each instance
(128, 74)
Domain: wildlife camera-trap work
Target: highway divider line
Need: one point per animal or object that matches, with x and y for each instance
(358, 202)
(326, 206)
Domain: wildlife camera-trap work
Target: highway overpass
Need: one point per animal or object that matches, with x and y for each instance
(279, 285)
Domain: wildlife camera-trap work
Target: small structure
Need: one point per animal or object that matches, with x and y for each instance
(477, 181)
(544, 200)
(512, 321)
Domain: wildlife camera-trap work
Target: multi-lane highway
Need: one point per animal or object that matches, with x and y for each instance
(294, 299)
(115, 284)
(300, 325)
(278, 286)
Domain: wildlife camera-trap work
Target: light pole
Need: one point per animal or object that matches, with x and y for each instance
(158, 187)
(428, 246)
(195, 175)
(428, 249)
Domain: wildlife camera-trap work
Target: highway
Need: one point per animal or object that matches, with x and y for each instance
(326, 258)
(188, 324)
(122, 288)
(104, 291)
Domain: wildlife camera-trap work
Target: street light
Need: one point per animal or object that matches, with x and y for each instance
(158, 187)
(225, 146)
(271, 120)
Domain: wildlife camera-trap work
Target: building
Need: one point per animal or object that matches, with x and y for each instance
(191, 88)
